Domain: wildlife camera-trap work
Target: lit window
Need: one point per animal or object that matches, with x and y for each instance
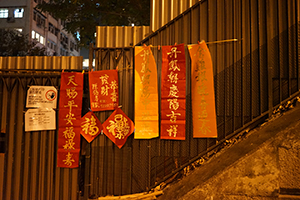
(42, 40)
(18, 13)
(33, 34)
(19, 29)
(37, 36)
(3, 13)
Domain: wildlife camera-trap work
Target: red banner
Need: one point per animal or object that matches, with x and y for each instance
(173, 92)
(91, 127)
(68, 159)
(118, 127)
(70, 104)
(203, 96)
(104, 92)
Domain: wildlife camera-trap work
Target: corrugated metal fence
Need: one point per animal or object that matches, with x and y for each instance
(252, 75)
(120, 36)
(163, 11)
(28, 159)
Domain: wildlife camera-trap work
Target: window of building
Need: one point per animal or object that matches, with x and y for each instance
(19, 12)
(19, 29)
(57, 31)
(3, 12)
(51, 44)
(38, 37)
(39, 18)
(40, 22)
(42, 40)
(63, 52)
(73, 46)
(34, 16)
(38, 1)
(52, 29)
(32, 34)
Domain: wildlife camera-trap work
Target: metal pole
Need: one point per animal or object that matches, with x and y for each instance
(269, 46)
(87, 172)
(91, 56)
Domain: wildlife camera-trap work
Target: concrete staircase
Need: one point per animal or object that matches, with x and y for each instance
(264, 165)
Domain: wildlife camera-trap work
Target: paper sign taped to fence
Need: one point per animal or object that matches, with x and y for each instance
(41, 97)
(40, 119)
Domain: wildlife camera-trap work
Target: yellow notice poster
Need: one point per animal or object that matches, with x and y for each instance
(146, 94)
(203, 96)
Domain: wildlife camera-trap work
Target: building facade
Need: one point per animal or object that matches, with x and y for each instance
(21, 15)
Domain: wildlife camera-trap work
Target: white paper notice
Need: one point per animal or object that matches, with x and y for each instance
(40, 119)
(41, 97)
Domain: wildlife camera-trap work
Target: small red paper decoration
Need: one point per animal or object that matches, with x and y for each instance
(104, 92)
(118, 127)
(91, 127)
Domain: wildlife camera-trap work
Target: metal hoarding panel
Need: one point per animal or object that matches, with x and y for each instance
(120, 36)
(28, 165)
(163, 11)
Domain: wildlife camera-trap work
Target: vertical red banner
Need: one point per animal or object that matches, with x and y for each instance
(70, 104)
(104, 90)
(203, 96)
(173, 92)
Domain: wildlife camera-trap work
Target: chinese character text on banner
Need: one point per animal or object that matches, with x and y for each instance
(118, 127)
(70, 104)
(104, 90)
(146, 94)
(203, 98)
(91, 127)
(173, 91)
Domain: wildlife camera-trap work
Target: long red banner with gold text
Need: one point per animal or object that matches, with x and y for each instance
(146, 94)
(173, 92)
(70, 104)
(203, 97)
